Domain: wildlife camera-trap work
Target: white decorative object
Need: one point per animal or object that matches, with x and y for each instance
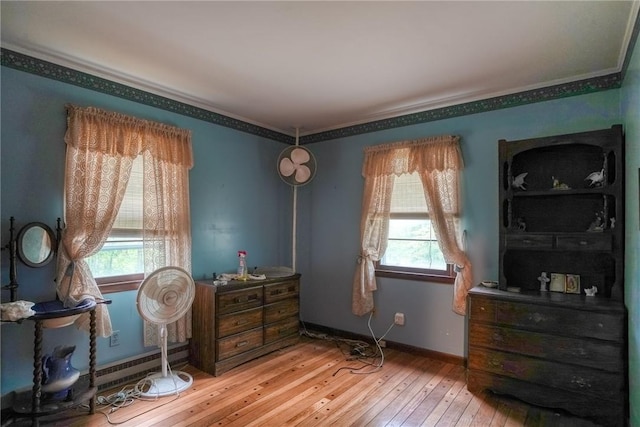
(596, 178)
(17, 310)
(518, 181)
(592, 291)
(543, 279)
(489, 284)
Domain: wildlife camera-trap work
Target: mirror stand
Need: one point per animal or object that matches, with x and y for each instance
(35, 245)
(13, 282)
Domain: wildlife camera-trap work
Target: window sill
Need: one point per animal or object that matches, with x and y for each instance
(113, 285)
(416, 276)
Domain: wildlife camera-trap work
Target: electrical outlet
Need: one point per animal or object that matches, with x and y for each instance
(399, 319)
(114, 339)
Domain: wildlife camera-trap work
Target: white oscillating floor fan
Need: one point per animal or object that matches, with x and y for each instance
(164, 297)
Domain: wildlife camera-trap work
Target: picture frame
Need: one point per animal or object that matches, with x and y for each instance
(557, 283)
(572, 284)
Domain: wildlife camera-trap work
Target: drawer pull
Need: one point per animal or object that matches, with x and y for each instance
(276, 292)
(537, 317)
(495, 363)
(580, 382)
(527, 241)
(583, 243)
(497, 336)
(245, 298)
(241, 322)
(242, 343)
(482, 309)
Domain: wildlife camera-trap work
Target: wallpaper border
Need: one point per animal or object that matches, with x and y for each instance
(22, 62)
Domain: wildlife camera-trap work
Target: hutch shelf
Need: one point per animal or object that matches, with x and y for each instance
(540, 337)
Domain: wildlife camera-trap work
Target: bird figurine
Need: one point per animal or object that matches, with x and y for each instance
(596, 178)
(518, 181)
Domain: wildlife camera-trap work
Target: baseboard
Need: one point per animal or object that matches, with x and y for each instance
(444, 357)
(124, 371)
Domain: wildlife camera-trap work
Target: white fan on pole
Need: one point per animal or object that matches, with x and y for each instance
(296, 167)
(164, 297)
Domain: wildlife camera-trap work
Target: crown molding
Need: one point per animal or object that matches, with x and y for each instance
(26, 63)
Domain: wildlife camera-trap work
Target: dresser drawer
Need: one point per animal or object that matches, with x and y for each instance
(229, 324)
(280, 310)
(281, 329)
(239, 343)
(528, 241)
(280, 291)
(557, 375)
(561, 321)
(239, 300)
(482, 309)
(594, 354)
(591, 242)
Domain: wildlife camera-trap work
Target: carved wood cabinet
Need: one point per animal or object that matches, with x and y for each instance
(241, 321)
(562, 213)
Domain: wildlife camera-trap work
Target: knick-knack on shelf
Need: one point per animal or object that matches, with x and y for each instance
(557, 185)
(595, 178)
(598, 224)
(518, 181)
(544, 280)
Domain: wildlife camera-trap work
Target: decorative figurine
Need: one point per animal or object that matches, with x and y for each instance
(592, 291)
(557, 185)
(543, 279)
(596, 178)
(518, 181)
(613, 223)
(597, 225)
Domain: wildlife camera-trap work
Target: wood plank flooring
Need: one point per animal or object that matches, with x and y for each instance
(319, 383)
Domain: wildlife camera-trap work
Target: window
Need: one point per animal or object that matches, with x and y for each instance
(412, 245)
(119, 265)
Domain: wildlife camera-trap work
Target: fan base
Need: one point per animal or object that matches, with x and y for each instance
(164, 386)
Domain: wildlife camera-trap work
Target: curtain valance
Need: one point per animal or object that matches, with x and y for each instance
(114, 133)
(409, 156)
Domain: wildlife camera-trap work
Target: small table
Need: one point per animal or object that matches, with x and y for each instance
(51, 312)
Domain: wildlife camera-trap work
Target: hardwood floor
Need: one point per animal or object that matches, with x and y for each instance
(319, 383)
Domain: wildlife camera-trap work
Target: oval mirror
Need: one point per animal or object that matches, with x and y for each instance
(36, 244)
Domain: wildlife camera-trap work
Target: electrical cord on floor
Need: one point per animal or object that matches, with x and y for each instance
(127, 397)
(360, 350)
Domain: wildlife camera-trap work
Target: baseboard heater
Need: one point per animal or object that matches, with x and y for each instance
(125, 371)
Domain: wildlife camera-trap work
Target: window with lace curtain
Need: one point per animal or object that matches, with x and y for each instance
(412, 245)
(120, 262)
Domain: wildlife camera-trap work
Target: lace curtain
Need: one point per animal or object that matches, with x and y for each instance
(438, 161)
(101, 146)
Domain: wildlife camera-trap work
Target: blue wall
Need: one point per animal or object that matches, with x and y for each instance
(631, 113)
(237, 202)
(331, 209)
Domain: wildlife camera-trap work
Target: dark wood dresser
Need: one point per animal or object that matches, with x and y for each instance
(550, 349)
(561, 215)
(241, 321)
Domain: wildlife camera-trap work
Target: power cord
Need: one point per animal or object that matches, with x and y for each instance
(360, 350)
(127, 397)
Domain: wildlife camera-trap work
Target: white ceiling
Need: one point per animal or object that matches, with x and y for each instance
(325, 65)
